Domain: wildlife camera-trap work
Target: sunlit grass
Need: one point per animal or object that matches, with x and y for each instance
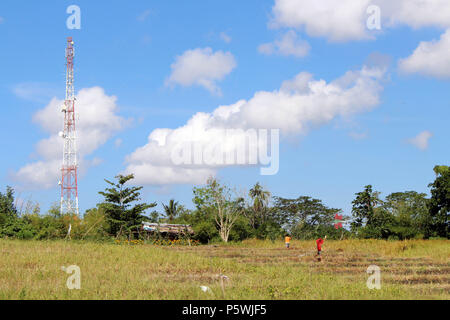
(255, 270)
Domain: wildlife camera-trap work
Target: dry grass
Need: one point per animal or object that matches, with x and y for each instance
(256, 270)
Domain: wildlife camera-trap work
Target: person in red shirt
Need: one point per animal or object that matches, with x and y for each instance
(320, 242)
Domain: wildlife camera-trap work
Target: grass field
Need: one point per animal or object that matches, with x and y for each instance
(255, 269)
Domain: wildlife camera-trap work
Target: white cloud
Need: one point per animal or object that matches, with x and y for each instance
(345, 20)
(416, 13)
(225, 37)
(287, 45)
(2, 20)
(421, 140)
(201, 67)
(299, 105)
(430, 58)
(98, 122)
(336, 20)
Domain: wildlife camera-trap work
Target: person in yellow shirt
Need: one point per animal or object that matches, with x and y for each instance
(287, 240)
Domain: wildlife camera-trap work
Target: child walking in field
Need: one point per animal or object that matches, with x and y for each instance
(287, 241)
(319, 243)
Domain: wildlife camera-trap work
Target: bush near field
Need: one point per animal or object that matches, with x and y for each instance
(222, 215)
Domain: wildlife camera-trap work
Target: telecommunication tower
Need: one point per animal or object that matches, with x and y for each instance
(69, 185)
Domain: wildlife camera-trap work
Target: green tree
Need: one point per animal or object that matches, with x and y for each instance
(154, 217)
(216, 200)
(171, 210)
(95, 224)
(439, 205)
(304, 216)
(409, 211)
(51, 225)
(8, 210)
(122, 216)
(260, 201)
(363, 207)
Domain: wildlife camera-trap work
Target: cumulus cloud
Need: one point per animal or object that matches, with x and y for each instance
(336, 20)
(346, 20)
(98, 122)
(421, 141)
(298, 106)
(201, 67)
(416, 13)
(430, 58)
(287, 45)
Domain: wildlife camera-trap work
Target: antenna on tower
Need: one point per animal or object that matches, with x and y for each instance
(69, 184)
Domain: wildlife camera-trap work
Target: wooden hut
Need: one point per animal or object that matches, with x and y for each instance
(170, 230)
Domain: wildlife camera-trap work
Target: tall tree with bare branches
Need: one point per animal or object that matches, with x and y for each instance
(218, 199)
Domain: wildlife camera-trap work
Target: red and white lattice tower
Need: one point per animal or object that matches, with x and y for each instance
(69, 186)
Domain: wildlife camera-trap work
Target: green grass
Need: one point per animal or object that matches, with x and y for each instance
(256, 270)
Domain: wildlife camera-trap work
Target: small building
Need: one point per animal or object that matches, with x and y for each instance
(169, 230)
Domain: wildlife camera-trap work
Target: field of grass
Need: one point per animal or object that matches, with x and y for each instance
(255, 269)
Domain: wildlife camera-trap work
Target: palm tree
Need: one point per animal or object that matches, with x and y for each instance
(171, 209)
(260, 199)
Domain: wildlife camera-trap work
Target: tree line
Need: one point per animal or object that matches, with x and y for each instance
(222, 213)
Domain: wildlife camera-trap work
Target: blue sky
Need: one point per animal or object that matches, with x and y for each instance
(129, 49)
